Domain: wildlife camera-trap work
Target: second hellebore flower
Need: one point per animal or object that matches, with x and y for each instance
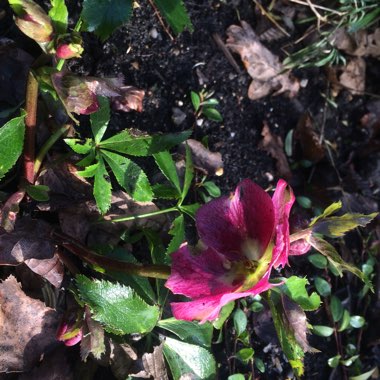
(246, 235)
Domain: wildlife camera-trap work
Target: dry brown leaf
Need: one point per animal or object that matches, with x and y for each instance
(29, 240)
(274, 146)
(353, 76)
(27, 328)
(262, 65)
(93, 337)
(203, 159)
(311, 146)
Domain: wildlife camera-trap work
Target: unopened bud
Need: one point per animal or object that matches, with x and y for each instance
(69, 46)
(32, 20)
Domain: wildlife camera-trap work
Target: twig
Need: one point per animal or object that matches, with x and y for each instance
(157, 13)
(30, 127)
(221, 45)
(318, 7)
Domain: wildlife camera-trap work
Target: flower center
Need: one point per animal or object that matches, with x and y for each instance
(251, 249)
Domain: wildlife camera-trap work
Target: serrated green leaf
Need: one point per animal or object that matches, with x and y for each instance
(104, 16)
(38, 192)
(59, 15)
(11, 143)
(178, 233)
(89, 171)
(185, 358)
(240, 321)
(175, 14)
(337, 226)
(196, 100)
(190, 210)
(322, 286)
(102, 188)
(78, 147)
(295, 289)
(336, 309)
(143, 145)
(189, 174)
(324, 331)
(223, 315)
(212, 114)
(100, 119)
(166, 164)
(190, 332)
(117, 307)
(86, 161)
(333, 256)
(129, 176)
(161, 191)
(333, 208)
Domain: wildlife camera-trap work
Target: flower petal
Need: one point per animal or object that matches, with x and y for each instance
(299, 247)
(199, 275)
(241, 225)
(283, 199)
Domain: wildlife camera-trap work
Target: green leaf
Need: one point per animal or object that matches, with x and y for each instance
(333, 208)
(245, 354)
(59, 15)
(190, 210)
(102, 188)
(223, 315)
(364, 22)
(337, 226)
(11, 143)
(175, 14)
(190, 332)
(260, 365)
(336, 309)
(345, 322)
(322, 286)
(318, 260)
(196, 100)
(236, 376)
(161, 191)
(77, 146)
(256, 307)
(240, 321)
(348, 362)
(295, 289)
(357, 321)
(185, 358)
(212, 114)
(100, 119)
(38, 192)
(364, 376)
(333, 257)
(334, 361)
(104, 16)
(166, 164)
(324, 331)
(143, 145)
(189, 174)
(304, 202)
(212, 189)
(129, 176)
(117, 307)
(178, 233)
(89, 171)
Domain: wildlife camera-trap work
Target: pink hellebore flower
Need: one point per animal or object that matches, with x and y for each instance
(69, 333)
(246, 235)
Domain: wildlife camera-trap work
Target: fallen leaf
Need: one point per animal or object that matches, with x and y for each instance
(263, 66)
(312, 148)
(353, 76)
(9, 211)
(27, 328)
(203, 159)
(274, 146)
(29, 240)
(121, 358)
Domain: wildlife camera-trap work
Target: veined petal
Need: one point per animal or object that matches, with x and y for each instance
(283, 199)
(238, 226)
(199, 275)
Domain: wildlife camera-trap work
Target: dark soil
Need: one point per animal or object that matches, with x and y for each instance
(169, 69)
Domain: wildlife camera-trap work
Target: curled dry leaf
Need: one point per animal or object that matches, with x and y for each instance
(203, 159)
(27, 329)
(274, 146)
(263, 66)
(312, 148)
(353, 76)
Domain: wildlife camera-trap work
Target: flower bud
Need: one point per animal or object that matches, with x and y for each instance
(70, 333)
(69, 46)
(32, 20)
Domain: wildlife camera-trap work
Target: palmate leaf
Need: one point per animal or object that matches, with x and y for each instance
(129, 176)
(143, 145)
(178, 233)
(11, 143)
(175, 14)
(117, 307)
(166, 164)
(185, 358)
(102, 187)
(100, 119)
(103, 16)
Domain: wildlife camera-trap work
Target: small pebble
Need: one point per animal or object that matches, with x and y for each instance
(269, 176)
(153, 33)
(304, 83)
(199, 122)
(233, 134)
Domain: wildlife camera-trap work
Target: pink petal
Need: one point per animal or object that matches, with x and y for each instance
(283, 199)
(199, 275)
(241, 225)
(299, 247)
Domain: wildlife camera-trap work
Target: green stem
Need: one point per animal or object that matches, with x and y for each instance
(141, 216)
(48, 144)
